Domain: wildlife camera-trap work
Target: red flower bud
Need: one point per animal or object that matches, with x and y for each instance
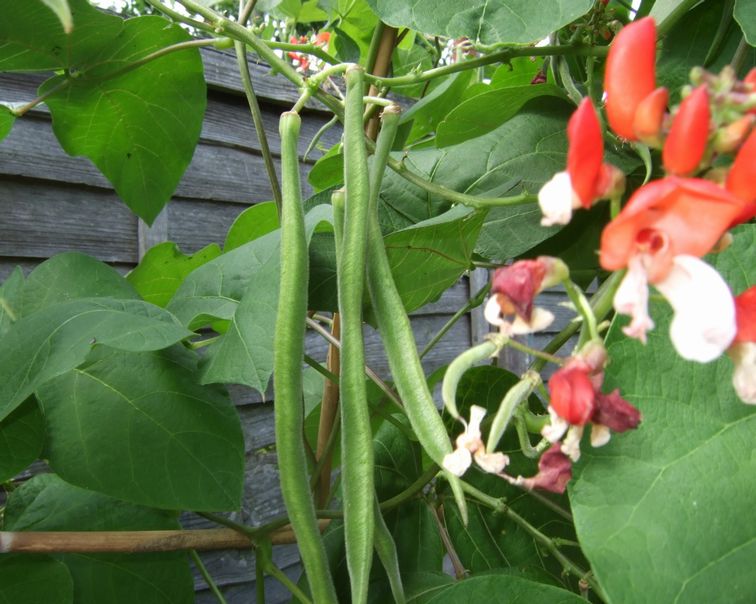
(649, 116)
(745, 315)
(630, 74)
(686, 142)
(741, 180)
(572, 395)
(586, 152)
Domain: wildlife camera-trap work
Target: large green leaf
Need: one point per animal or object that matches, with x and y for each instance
(34, 579)
(429, 257)
(504, 587)
(46, 503)
(485, 112)
(256, 221)
(22, 435)
(415, 532)
(62, 11)
(487, 21)
(397, 460)
(56, 339)
(164, 268)
(140, 125)
(745, 15)
(665, 513)
(70, 276)
(161, 440)
(241, 285)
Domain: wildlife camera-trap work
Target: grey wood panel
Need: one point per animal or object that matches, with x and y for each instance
(40, 219)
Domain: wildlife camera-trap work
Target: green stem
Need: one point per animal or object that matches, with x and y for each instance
(583, 307)
(601, 303)
(315, 139)
(254, 107)
(245, 11)
(472, 303)
(305, 49)
(207, 577)
(179, 18)
(411, 491)
(311, 86)
(281, 577)
(259, 584)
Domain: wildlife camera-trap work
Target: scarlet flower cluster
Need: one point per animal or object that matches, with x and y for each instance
(302, 60)
(667, 225)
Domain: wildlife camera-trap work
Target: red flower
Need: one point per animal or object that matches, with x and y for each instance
(666, 218)
(745, 313)
(741, 180)
(554, 472)
(615, 413)
(519, 284)
(572, 395)
(686, 141)
(649, 116)
(630, 74)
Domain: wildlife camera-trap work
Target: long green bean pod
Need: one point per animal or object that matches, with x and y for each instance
(386, 550)
(396, 331)
(287, 358)
(356, 434)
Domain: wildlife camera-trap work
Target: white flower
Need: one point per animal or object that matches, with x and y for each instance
(539, 320)
(704, 323)
(470, 444)
(557, 200)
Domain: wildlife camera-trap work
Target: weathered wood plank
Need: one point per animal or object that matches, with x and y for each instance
(42, 219)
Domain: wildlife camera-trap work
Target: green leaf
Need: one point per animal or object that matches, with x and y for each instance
(56, 339)
(46, 503)
(485, 112)
(33, 579)
(164, 268)
(745, 14)
(256, 221)
(426, 114)
(415, 533)
(430, 256)
(22, 435)
(485, 21)
(398, 461)
(347, 50)
(328, 171)
(70, 276)
(241, 285)
(139, 128)
(509, 589)
(6, 121)
(422, 585)
(161, 440)
(10, 300)
(669, 507)
(689, 42)
(520, 71)
(62, 11)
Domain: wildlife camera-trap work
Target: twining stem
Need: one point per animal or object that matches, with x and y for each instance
(374, 377)
(246, 11)
(305, 49)
(472, 303)
(500, 506)
(207, 576)
(583, 307)
(254, 107)
(459, 568)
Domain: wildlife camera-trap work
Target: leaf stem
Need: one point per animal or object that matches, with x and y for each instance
(306, 49)
(254, 107)
(207, 576)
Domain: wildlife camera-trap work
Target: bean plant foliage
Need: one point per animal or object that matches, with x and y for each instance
(605, 149)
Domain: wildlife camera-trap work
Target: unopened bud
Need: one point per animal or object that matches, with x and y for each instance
(729, 138)
(698, 75)
(649, 117)
(556, 271)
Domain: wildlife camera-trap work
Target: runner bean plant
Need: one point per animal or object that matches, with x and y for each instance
(601, 150)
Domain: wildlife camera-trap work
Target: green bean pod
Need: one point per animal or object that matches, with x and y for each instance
(386, 550)
(356, 434)
(287, 358)
(396, 331)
